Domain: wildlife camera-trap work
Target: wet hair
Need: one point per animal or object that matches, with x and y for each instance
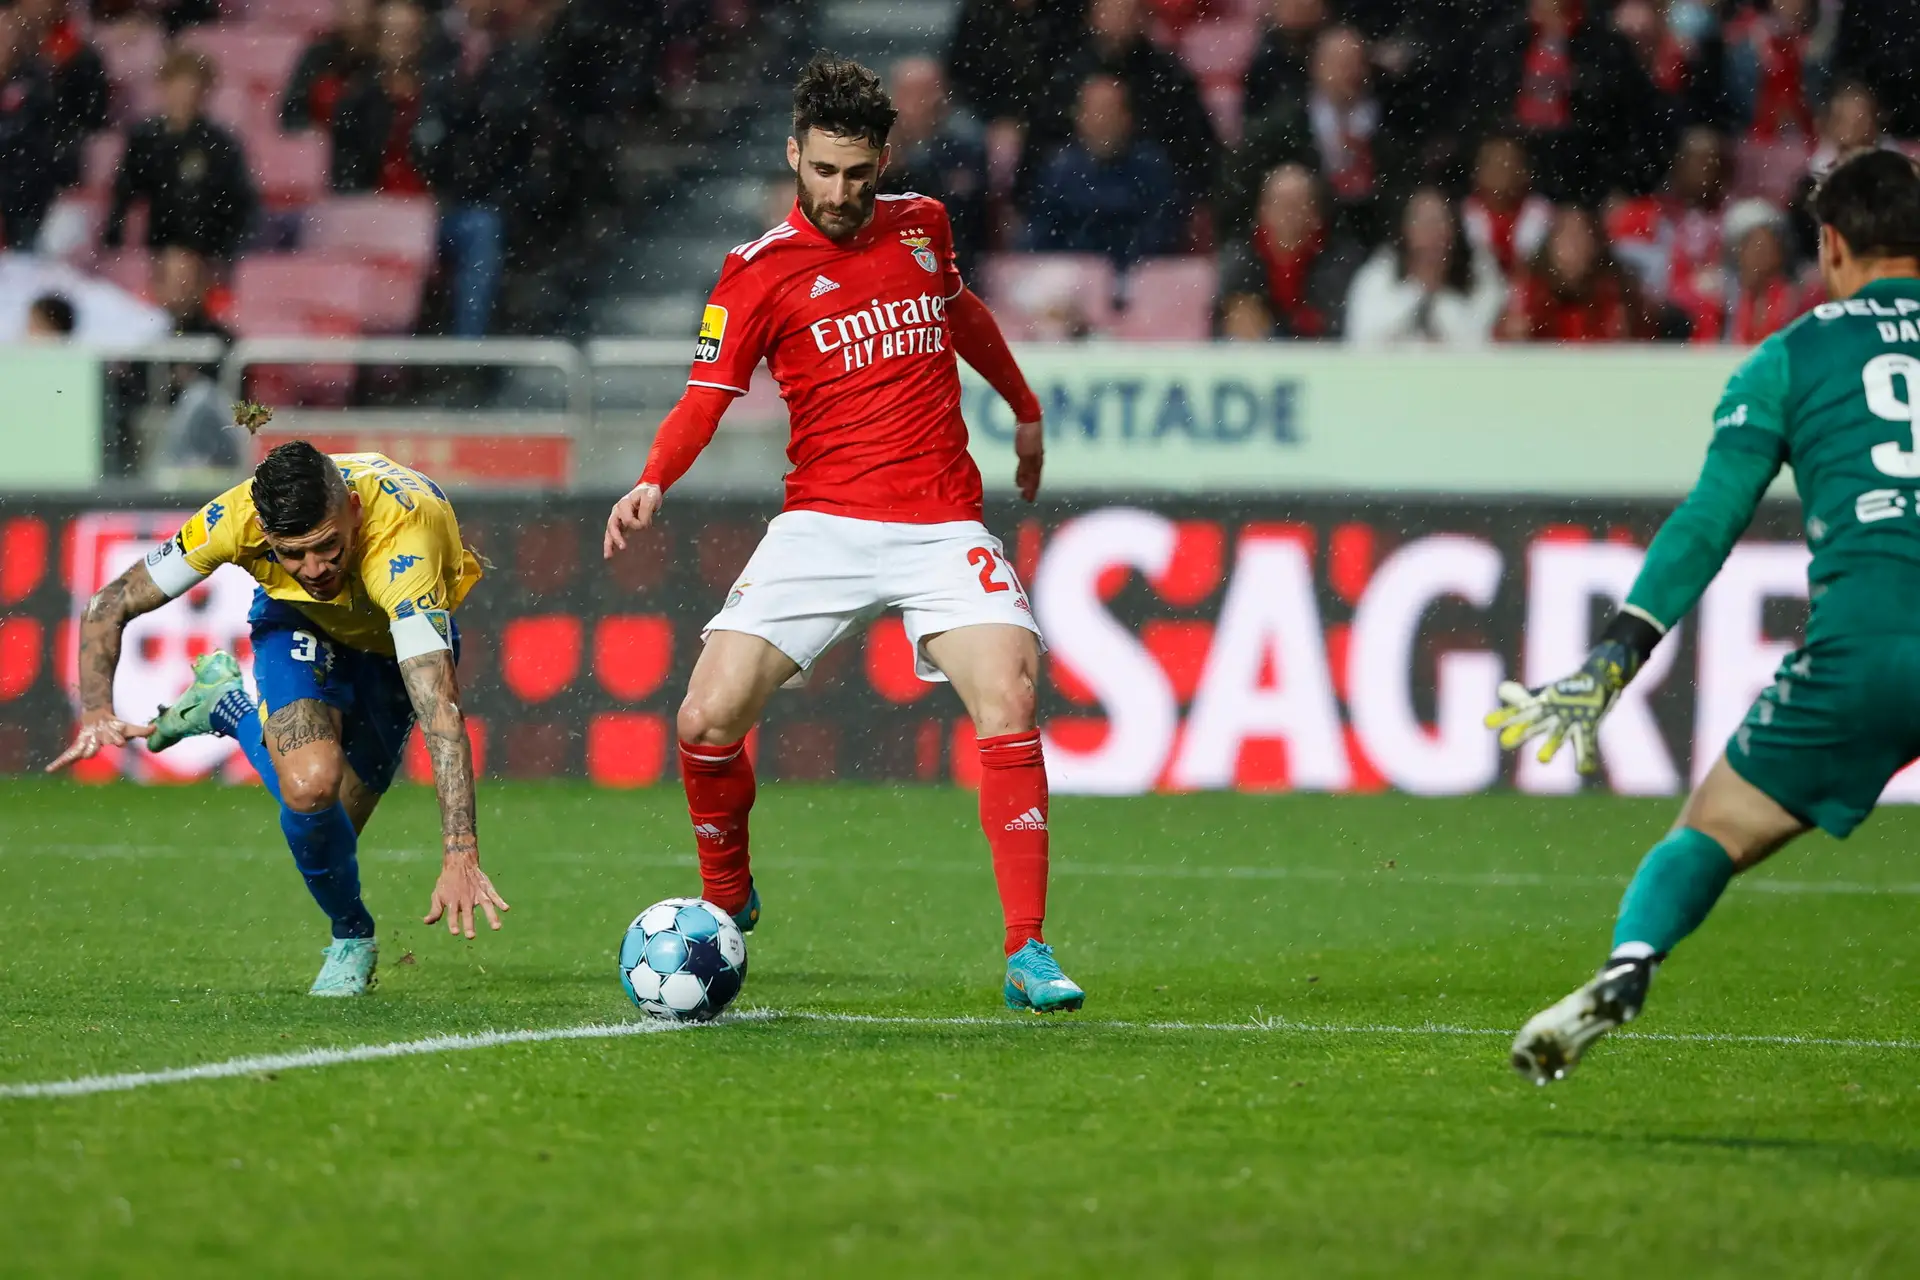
(295, 487)
(839, 96)
(1459, 258)
(55, 310)
(187, 62)
(1872, 198)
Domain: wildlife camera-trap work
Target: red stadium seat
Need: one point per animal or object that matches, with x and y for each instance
(257, 60)
(1169, 300)
(130, 269)
(302, 17)
(390, 230)
(1218, 52)
(99, 159)
(132, 53)
(1770, 170)
(1033, 292)
(291, 171)
(328, 292)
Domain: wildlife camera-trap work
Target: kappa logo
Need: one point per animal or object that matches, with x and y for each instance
(1031, 820)
(922, 247)
(707, 831)
(822, 285)
(399, 565)
(215, 512)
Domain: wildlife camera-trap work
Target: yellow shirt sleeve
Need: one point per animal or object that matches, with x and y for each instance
(209, 539)
(406, 572)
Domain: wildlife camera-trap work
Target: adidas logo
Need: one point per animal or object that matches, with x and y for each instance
(1031, 820)
(707, 831)
(822, 285)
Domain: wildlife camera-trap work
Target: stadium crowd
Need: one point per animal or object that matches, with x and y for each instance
(1381, 171)
(174, 145)
(1449, 171)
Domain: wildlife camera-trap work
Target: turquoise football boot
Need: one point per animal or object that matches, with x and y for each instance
(1034, 981)
(349, 968)
(748, 916)
(215, 675)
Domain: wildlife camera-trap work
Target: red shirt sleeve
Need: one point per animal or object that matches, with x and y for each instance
(978, 340)
(951, 284)
(683, 433)
(734, 329)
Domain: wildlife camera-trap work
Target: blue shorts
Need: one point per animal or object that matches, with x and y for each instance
(293, 659)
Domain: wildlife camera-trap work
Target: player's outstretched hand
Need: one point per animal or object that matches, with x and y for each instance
(630, 515)
(98, 729)
(1570, 707)
(1030, 448)
(462, 887)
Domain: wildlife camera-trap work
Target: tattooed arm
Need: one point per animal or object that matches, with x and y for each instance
(462, 887)
(108, 613)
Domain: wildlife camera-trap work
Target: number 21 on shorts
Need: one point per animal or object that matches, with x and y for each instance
(988, 563)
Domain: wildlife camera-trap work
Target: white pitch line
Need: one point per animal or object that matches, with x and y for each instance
(264, 1063)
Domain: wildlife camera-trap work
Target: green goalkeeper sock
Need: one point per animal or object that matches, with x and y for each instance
(1676, 886)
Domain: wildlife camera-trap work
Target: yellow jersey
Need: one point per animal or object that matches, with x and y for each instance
(408, 568)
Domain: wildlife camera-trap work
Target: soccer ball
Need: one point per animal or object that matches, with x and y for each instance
(683, 960)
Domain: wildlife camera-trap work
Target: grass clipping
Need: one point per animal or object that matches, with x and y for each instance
(251, 416)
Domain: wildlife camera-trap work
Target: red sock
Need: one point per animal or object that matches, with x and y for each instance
(1013, 813)
(719, 782)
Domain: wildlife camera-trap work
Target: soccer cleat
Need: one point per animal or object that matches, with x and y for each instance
(1034, 981)
(349, 968)
(748, 916)
(215, 675)
(1551, 1043)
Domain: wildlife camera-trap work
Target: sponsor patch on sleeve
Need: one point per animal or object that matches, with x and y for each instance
(713, 332)
(193, 534)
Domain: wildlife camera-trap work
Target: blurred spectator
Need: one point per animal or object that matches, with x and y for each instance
(1165, 98)
(50, 316)
(172, 16)
(1672, 239)
(197, 430)
(1572, 291)
(1572, 87)
(1878, 41)
(1850, 122)
(932, 156)
(1426, 284)
(1683, 67)
(76, 75)
(1760, 297)
(1278, 72)
(190, 172)
(1290, 279)
(26, 139)
(401, 131)
(1106, 191)
(1503, 216)
(1346, 119)
(1778, 52)
(333, 60)
(1003, 53)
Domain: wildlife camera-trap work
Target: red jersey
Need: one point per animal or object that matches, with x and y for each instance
(856, 335)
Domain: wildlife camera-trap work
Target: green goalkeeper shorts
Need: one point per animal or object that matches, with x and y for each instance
(1840, 719)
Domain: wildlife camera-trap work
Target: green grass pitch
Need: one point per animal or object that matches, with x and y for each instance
(1336, 1105)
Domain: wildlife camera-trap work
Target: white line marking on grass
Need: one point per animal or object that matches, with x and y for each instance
(1369, 876)
(262, 1064)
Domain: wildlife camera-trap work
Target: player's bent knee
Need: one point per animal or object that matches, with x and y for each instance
(312, 784)
(1005, 706)
(709, 721)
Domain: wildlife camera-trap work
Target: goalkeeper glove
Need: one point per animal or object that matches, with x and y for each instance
(1573, 706)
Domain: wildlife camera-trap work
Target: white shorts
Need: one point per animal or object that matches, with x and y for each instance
(815, 577)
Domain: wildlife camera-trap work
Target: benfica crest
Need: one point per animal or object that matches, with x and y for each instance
(922, 247)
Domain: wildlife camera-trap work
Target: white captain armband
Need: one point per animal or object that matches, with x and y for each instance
(422, 632)
(167, 566)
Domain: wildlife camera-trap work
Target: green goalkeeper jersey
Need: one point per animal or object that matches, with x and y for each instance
(1836, 396)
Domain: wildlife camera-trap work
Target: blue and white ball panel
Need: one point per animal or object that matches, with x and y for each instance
(683, 960)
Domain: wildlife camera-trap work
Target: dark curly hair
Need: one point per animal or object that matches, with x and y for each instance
(839, 96)
(295, 487)
(1872, 198)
